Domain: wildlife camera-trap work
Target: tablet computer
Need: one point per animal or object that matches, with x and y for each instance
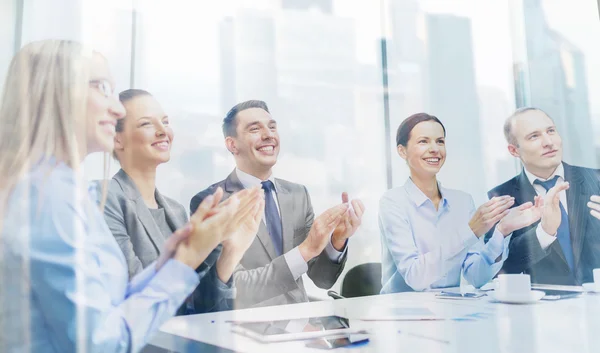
(296, 329)
(333, 342)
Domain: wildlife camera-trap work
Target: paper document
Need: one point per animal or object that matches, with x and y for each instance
(389, 313)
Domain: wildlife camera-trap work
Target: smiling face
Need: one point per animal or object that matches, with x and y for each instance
(425, 151)
(538, 144)
(146, 136)
(256, 144)
(103, 108)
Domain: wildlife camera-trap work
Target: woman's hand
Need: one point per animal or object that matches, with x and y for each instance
(209, 228)
(243, 229)
(490, 213)
(244, 225)
(522, 216)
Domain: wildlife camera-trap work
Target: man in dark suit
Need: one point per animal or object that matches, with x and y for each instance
(290, 240)
(564, 246)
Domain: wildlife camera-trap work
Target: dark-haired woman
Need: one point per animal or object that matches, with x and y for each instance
(141, 218)
(430, 234)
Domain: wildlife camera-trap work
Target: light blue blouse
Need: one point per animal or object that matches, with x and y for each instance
(428, 248)
(64, 277)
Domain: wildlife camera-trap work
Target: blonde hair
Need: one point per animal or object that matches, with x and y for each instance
(43, 115)
(43, 111)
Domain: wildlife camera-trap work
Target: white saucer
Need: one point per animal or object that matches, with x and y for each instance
(591, 287)
(525, 298)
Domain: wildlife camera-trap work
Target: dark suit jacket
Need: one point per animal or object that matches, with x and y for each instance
(549, 266)
(141, 240)
(262, 278)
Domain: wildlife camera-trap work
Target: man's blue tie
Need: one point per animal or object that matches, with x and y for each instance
(563, 234)
(272, 217)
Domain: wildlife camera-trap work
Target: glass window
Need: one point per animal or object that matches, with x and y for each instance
(316, 64)
(106, 26)
(452, 59)
(557, 70)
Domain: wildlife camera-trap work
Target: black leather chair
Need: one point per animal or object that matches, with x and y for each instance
(363, 280)
(360, 281)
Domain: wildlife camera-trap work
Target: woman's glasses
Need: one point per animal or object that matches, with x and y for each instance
(103, 86)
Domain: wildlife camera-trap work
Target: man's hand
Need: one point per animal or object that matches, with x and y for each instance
(551, 216)
(594, 206)
(319, 233)
(522, 216)
(348, 224)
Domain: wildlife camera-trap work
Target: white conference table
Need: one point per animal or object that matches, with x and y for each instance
(474, 325)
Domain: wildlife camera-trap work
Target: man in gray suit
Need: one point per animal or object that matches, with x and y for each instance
(290, 240)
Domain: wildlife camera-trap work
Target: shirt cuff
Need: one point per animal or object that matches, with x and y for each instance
(139, 281)
(226, 290)
(296, 263)
(496, 246)
(468, 237)
(544, 238)
(176, 279)
(333, 254)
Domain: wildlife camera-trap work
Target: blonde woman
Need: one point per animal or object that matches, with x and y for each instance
(141, 218)
(65, 284)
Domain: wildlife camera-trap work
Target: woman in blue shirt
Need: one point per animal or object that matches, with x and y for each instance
(64, 280)
(430, 233)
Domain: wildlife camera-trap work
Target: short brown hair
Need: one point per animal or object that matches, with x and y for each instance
(403, 134)
(230, 123)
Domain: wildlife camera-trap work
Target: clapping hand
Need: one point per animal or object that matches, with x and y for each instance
(488, 214)
(321, 229)
(522, 216)
(551, 215)
(206, 229)
(349, 223)
(594, 205)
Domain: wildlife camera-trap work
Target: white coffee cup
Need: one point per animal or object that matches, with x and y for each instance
(597, 277)
(514, 285)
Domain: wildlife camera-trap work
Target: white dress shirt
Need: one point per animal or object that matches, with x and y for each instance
(293, 258)
(544, 238)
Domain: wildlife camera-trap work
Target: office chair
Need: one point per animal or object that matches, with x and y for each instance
(360, 281)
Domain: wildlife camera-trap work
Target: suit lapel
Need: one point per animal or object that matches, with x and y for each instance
(141, 210)
(149, 224)
(525, 191)
(576, 205)
(233, 185)
(285, 199)
(174, 220)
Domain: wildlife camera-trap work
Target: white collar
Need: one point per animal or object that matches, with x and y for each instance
(560, 171)
(249, 181)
